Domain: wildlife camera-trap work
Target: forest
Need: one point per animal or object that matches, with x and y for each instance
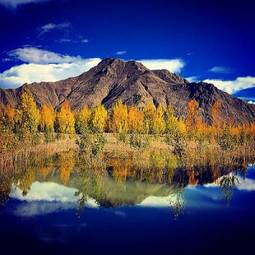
(28, 125)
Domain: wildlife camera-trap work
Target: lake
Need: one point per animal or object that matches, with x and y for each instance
(57, 206)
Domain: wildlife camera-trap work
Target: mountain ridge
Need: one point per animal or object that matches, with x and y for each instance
(136, 85)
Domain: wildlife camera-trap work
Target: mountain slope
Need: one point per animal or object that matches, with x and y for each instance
(135, 85)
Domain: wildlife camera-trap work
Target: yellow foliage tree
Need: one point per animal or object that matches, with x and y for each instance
(149, 115)
(202, 129)
(82, 119)
(28, 114)
(98, 119)
(158, 122)
(120, 118)
(173, 125)
(65, 119)
(135, 120)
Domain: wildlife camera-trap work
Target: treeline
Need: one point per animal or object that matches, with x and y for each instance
(24, 124)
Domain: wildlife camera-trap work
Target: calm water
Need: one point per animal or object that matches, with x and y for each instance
(58, 208)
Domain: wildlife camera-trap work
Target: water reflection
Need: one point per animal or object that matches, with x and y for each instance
(66, 181)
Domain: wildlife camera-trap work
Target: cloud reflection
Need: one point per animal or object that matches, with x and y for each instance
(45, 198)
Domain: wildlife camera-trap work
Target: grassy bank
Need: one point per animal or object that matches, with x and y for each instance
(193, 153)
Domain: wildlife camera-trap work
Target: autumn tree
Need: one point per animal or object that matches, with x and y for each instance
(136, 128)
(149, 115)
(135, 120)
(173, 124)
(2, 118)
(192, 114)
(98, 119)
(27, 117)
(158, 122)
(8, 139)
(120, 118)
(47, 118)
(65, 119)
(47, 122)
(215, 113)
(225, 139)
(82, 120)
(9, 115)
(216, 123)
(202, 130)
(175, 131)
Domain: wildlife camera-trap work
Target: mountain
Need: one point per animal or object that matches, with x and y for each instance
(135, 85)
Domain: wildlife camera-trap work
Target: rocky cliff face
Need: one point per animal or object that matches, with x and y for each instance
(135, 85)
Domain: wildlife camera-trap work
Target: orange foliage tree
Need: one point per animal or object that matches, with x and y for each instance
(192, 114)
(47, 118)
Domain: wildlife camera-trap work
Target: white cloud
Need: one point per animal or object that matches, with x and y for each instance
(235, 85)
(53, 26)
(172, 65)
(121, 52)
(42, 65)
(68, 40)
(192, 78)
(39, 56)
(28, 73)
(220, 69)
(64, 40)
(15, 3)
(85, 40)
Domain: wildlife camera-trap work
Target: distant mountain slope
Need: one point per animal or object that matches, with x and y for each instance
(135, 85)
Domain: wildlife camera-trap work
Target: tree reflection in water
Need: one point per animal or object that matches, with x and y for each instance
(114, 182)
(227, 185)
(177, 202)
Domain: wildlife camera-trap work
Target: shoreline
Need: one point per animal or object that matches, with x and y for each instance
(114, 148)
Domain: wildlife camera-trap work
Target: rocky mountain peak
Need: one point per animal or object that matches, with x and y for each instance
(136, 85)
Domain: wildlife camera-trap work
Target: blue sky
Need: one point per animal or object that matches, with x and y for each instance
(202, 40)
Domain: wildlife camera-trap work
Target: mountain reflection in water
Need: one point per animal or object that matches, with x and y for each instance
(119, 183)
(62, 192)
